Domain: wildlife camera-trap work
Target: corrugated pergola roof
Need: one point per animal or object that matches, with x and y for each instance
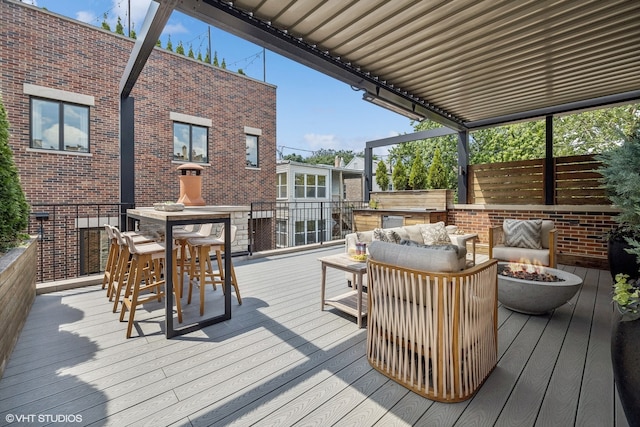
(464, 63)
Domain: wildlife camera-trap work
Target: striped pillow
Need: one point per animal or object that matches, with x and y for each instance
(523, 233)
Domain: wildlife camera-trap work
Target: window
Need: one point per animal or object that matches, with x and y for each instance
(281, 234)
(309, 231)
(252, 151)
(58, 125)
(190, 143)
(282, 186)
(310, 186)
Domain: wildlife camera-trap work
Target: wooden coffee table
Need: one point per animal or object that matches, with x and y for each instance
(350, 302)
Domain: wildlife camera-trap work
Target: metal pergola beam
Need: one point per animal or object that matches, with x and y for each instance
(223, 15)
(156, 19)
(620, 98)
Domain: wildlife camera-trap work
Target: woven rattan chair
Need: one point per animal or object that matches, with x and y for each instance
(434, 333)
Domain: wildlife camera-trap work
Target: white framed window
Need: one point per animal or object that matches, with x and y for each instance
(281, 184)
(281, 234)
(308, 231)
(310, 186)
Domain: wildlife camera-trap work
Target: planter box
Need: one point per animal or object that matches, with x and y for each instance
(17, 292)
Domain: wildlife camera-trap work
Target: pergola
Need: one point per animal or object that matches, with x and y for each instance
(466, 64)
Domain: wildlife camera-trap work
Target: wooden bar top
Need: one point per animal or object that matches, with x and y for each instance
(189, 213)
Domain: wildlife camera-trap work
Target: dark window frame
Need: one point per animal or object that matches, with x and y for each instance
(61, 125)
(190, 158)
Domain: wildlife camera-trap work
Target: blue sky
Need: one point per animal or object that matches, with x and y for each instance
(314, 111)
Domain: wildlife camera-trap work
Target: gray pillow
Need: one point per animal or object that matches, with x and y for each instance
(523, 233)
(383, 235)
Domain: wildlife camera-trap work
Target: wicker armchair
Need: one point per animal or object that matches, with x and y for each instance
(434, 333)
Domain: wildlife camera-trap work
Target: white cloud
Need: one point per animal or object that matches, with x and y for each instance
(86, 16)
(171, 29)
(31, 2)
(316, 141)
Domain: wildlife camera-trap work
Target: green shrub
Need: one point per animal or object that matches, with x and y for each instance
(399, 176)
(382, 178)
(14, 210)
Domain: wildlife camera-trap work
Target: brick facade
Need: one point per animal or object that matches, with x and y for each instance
(44, 49)
(580, 228)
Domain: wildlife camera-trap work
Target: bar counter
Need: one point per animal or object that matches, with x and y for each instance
(190, 215)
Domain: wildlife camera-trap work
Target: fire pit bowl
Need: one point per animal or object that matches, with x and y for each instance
(536, 297)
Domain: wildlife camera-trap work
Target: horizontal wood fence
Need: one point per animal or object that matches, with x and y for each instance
(576, 181)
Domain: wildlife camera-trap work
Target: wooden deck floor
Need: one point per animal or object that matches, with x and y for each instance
(280, 360)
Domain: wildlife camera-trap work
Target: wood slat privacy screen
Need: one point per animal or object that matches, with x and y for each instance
(576, 182)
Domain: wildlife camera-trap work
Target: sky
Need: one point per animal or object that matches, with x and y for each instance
(314, 111)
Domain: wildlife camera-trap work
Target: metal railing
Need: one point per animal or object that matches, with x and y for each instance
(275, 225)
(73, 243)
(71, 237)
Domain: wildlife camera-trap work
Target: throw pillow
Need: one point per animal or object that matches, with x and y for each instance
(523, 233)
(433, 234)
(383, 235)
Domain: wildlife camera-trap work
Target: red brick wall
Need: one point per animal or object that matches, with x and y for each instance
(580, 232)
(47, 50)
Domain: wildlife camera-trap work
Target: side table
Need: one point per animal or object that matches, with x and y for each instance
(349, 302)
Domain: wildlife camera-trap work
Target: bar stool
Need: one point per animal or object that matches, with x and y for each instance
(181, 235)
(112, 259)
(120, 271)
(201, 266)
(146, 274)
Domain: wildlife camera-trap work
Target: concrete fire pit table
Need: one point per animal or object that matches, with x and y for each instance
(536, 297)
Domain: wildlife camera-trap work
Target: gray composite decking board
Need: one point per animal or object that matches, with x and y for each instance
(562, 396)
(281, 360)
(597, 396)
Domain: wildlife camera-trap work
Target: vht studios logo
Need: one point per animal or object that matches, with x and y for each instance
(43, 418)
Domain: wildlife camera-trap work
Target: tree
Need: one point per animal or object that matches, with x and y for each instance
(520, 141)
(190, 53)
(382, 179)
(158, 43)
(215, 59)
(105, 25)
(328, 156)
(418, 174)
(436, 178)
(399, 176)
(223, 65)
(169, 44)
(241, 72)
(132, 32)
(14, 210)
(119, 27)
(180, 48)
(293, 157)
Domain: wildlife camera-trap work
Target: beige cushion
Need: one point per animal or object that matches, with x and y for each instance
(535, 256)
(547, 226)
(434, 234)
(523, 233)
(414, 232)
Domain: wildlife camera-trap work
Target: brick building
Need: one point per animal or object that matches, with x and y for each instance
(61, 88)
(50, 61)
